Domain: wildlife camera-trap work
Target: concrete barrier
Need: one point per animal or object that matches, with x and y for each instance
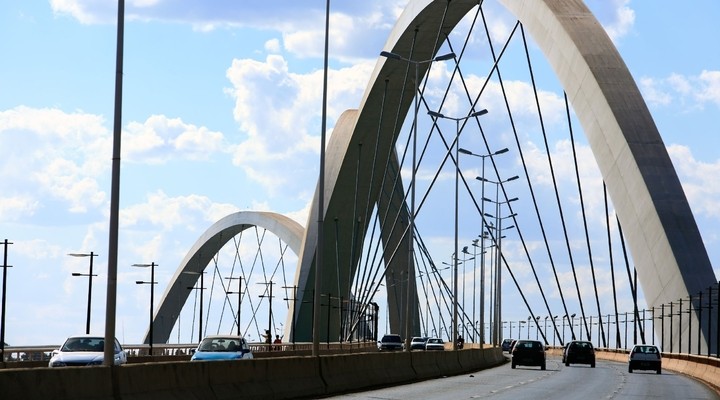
(59, 383)
(425, 364)
(260, 378)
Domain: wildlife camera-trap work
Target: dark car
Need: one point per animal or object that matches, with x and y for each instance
(390, 342)
(646, 357)
(528, 352)
(506, 344)
(580, 352)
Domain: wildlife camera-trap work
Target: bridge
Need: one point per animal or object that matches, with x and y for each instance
(397, 181)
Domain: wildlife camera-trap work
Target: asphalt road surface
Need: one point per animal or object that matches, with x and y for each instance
(609, 380)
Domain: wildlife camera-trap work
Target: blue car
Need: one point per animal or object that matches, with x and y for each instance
(218, 347)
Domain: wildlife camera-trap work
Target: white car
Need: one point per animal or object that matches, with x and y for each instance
(645, 357)
(83, 350)
(435, 344)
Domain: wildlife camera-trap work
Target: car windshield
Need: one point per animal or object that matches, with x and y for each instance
(84, 344)
(646, 349)
(392, 339)
(220, 344)
(435, 341)
(529, 345)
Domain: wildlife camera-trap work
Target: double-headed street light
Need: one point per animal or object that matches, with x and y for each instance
(438, 115)
(201, 289)
(411, 217)
(482, 235)
(90, 276)
(239, 293)
(498, 241)
(152, 284)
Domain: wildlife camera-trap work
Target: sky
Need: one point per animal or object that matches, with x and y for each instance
(221, 113)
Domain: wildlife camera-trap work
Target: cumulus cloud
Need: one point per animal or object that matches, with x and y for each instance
(189, 212)
(616, 16)
(280, 111)
(683, 91)
(56, 156)
(709, 82)
(699, 179)
(160, 138)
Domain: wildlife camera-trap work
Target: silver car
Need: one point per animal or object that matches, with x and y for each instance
(84, 350)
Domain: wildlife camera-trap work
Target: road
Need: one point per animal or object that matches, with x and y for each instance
(609, 380)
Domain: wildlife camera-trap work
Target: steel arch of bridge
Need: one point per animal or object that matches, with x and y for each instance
(661, 232)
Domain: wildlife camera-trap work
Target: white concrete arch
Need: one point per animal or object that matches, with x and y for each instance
(199, 256)
(664, 240)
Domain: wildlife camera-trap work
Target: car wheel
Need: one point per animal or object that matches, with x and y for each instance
(659, 371)
(567, 363)
(592, 365)
(630, 370)
(512, 365)
(542, 367)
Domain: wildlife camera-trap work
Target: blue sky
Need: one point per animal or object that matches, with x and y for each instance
(221, 112)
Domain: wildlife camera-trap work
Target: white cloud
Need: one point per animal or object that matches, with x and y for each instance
(653, 94)
(56, 156)
(160, 139)
(701, 181)
(709, 90)
(685, 91)
(14, 208)
(190, 212)
(616, 16)
(280, 111)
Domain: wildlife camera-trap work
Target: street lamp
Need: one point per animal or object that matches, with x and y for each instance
(152, 284)
(482, 235)
(202, 290)
(5, 266)
(498, 256)
(239, 293)
(437, 115)
(270, 297)
(90, 276)
(411, 222)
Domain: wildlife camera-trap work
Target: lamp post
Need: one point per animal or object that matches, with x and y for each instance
(5, 266)
(239, 293)
(152, 284)
(438, 115)
(202, 290)
(481, 321)
(482, 235)
(270, 297)
(498, 240)
(90, 276)
(411, 222)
